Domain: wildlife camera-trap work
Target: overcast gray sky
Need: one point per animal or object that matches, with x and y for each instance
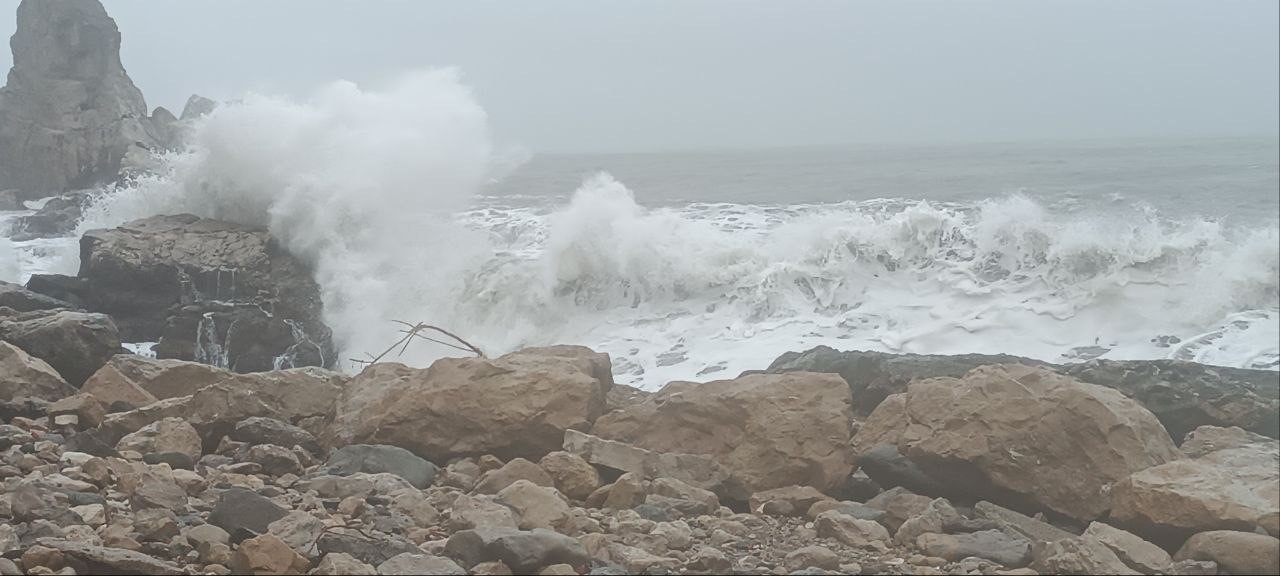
(581, 75)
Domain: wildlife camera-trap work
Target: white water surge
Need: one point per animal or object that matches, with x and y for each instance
(379, 191)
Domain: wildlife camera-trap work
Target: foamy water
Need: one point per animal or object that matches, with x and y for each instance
(384, 192)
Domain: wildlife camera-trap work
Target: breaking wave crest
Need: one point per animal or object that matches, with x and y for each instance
(379, 191)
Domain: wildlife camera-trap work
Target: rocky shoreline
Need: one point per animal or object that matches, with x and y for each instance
(240, 450)
(537, 463)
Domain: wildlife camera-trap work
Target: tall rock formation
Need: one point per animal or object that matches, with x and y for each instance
(69, 114)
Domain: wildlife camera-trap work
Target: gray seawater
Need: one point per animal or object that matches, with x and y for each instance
(1234, 180)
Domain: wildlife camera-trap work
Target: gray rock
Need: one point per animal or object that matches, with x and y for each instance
(1077, 556)
(70, 117)
(244, 514)
(102, 560)
(1016, 523)
(992, 545)
(523, 551)
(23, 300)
(368, 550)
(262, 430)
(76, 344)
(181, 278)
(1183, 395)
(411, 563)
(376, 458)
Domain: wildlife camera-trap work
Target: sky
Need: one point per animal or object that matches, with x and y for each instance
(612, 75)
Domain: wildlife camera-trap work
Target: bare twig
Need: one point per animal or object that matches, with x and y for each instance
(412, 331)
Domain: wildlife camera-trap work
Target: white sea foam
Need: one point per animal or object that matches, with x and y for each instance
(377, 189)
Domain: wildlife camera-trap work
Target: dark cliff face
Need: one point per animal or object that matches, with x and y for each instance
(69, 114)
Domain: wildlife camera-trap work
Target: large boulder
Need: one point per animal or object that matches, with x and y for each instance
(1183, 395)
(20, 299)
(70, 117)
(160, 379)
(1021, 436)
(25, 376)
(210, 291)
(57, 217)
(1230, 480)
(76, 344)
(769, 430)
(304, 397)
(518, 405)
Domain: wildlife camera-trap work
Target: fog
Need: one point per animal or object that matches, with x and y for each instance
(587, 75)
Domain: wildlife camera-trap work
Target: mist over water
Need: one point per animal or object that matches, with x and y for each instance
(407, 211)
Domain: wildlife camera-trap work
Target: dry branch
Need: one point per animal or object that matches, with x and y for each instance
(412, 331)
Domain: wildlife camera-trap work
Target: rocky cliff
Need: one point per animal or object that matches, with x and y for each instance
(70, 117)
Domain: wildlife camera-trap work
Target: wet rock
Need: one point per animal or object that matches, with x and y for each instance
(144, 272)
(20, 299)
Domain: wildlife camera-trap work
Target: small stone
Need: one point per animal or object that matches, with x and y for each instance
(275, 460)
(338, 563)
(535, 506)
(812, 557)
(517, 469)
(266, 554)
(410, 563)
(849, 530)
(91, 514)
(572, 475)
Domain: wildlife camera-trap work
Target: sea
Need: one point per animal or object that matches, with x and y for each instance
(699, 265)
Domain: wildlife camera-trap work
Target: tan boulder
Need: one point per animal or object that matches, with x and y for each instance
(87, 410)
(535, 506)
(1020, 435)
(117, 425)
(494, 481)
(167, 435)
(300, 396)
(109, 385)
(1237, 552)
(768, 430)
(266, 554)
(695, 469)
(572, 475)
(24, 375)
(1230, 481)
(159, 378)
(517, 405)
